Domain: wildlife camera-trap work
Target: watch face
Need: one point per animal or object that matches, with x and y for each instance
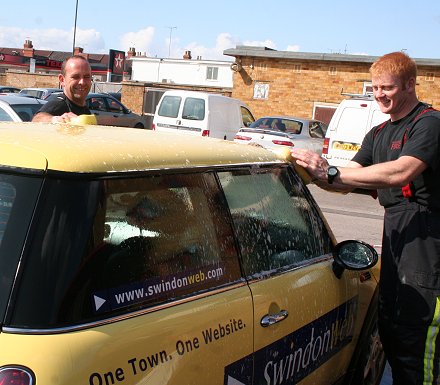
(332, 171)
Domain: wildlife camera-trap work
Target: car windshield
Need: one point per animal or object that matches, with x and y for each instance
(18, 196)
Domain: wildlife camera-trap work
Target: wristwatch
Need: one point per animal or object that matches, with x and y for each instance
(332, 172)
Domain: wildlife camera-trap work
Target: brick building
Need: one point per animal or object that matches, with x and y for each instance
(308, 85)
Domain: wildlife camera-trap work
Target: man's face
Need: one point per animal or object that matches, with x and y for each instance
(77, 80)
(391, 93)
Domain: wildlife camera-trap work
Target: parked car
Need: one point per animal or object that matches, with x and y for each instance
(273, 132)
(111, 112)
(14, 108)
(9, 90)
(141, 257)
(39, 93)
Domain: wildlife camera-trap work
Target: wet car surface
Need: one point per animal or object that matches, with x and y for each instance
(130, 256)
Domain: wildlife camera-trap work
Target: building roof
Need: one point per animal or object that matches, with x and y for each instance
(265, 52)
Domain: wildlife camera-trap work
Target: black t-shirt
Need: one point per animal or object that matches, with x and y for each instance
(62, 104)
(387, 143)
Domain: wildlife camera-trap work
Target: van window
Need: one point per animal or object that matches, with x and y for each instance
(377, 118)
(246, 116)
(169, 107)
(125, 245)
(275, 225)
(349, 122)
(194, 109)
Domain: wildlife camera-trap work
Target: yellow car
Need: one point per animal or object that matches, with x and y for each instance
(137, 257)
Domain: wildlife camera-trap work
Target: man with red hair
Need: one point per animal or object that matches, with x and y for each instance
(401, 160)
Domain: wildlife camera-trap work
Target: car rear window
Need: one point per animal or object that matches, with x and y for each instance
(107, 247)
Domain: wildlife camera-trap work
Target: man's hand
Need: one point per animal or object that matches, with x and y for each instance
(65, 118)
(315, 164)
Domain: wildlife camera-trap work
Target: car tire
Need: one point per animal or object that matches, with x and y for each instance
(139, 125)
(368, 363)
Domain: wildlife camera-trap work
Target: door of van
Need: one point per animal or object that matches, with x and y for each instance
(183, 113)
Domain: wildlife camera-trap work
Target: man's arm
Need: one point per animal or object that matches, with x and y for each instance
(48, 118)
(396, 173)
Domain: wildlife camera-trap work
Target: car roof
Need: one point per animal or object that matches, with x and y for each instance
(16, 99)
(106, 149)
(41, 89)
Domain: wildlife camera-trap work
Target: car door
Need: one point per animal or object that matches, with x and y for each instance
(304, 316)
(108, 112)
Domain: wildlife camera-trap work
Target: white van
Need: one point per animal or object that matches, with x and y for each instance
(201, 114)
(352, 119)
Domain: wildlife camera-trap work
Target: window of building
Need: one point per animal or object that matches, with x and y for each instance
(297, 68)
(368, 88)
(429, 77)
(332, 71)
(261, 91)
(212, 73)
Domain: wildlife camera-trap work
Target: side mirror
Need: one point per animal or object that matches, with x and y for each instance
(353, 255)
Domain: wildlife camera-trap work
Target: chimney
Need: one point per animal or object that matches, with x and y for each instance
(187, 55)
(80, 51)
(131, 52)
(28, 49)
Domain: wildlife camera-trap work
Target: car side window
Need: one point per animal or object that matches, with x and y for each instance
(316, 130)
(293, 126)
(246, 116)
(114, 106)
(151, 240)
(97, 104)
(276, 225)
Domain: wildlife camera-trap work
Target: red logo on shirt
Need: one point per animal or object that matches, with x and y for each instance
(396, 144)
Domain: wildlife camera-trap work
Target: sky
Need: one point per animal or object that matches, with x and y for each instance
(168, 28)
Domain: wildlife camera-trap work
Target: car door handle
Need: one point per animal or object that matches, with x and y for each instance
(271, 319)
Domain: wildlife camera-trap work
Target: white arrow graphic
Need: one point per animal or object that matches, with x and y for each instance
(233, 381)
(98, 302)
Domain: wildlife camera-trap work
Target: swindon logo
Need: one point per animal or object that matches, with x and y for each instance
(292, 358)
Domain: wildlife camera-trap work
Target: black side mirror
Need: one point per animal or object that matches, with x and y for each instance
(353, 255)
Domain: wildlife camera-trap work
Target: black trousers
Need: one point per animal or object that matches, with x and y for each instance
(409, 305)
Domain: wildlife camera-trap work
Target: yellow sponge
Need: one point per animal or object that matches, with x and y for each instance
(84, 120)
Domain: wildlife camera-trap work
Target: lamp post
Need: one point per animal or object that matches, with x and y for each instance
(169, 45)
(74, 28)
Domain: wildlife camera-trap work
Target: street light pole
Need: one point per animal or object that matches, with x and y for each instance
(169, 45)
(74, 28)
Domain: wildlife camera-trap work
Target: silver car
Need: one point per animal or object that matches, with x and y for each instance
(39, 93)
(15, 108)
(273, 132)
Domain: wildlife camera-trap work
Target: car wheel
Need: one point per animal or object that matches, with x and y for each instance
(368, 364)
(139, 125)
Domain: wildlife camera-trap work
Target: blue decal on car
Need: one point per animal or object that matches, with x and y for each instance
(293, 357)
